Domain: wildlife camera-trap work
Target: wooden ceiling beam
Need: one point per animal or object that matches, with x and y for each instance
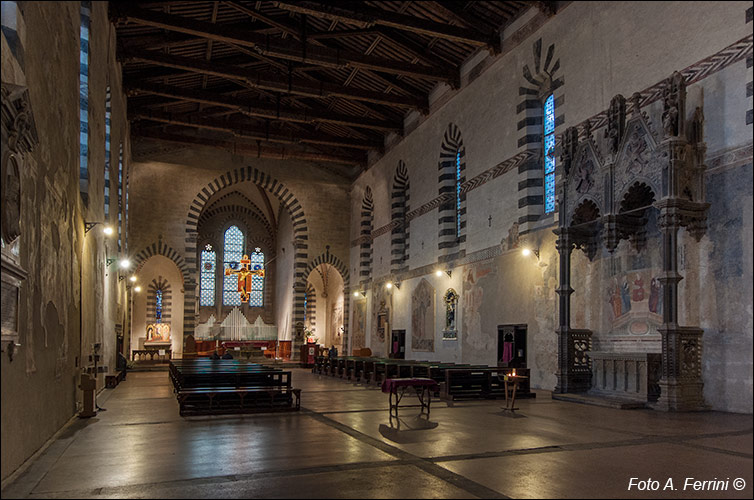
(366, 17)
(256, 133)
(259, 109)
(258, 149)
(283, 49)
(274, 82)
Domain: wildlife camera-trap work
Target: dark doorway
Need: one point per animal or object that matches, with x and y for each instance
(398, 344)
(511, 346)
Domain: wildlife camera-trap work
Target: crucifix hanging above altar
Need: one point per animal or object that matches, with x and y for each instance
(245, 274)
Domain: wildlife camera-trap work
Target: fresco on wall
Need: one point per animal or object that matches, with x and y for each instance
(382, 306)
(158, 333)
(358, 340)
(423, 317)
(477, 342)
(634, 303)
(336, 325)
(510, 241)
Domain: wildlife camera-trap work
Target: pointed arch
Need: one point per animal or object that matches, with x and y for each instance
(328, 258)
(399, 242)
(365, 249)
(159, 248)
(452, 209)
(300, 236)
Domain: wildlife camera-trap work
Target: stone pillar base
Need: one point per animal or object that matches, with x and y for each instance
(681, 396)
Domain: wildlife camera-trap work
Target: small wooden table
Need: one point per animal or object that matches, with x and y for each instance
(510, 402)
(397, 388)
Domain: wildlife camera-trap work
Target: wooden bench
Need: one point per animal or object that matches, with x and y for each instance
(206, 386)
(231, 400)
(113, 379)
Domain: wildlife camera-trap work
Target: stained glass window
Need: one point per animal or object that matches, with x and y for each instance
(550, 154)
(207, 277)
(232, 255)
(458, 193)
(107, 154)
(120, 195)
(158, 306)
(256, 297)
(84, 100)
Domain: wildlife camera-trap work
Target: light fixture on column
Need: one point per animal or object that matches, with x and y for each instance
(106, 228)
(132, 279)
(389, 285)
(438, 273)
(137, 289)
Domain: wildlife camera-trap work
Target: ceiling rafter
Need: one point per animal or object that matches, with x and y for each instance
(251, 149)
(284, 49)
(258, 108)
(273, 82)
(256, 133)
(367, 17)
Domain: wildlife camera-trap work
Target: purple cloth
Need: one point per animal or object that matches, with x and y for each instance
(507, 352)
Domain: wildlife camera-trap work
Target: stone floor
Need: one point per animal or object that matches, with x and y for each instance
(340, 445)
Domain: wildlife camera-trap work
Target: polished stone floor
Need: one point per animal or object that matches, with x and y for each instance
(341, 445)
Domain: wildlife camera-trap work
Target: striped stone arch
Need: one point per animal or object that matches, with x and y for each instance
(237, 212)
(365, 235)
(452, 236)
(328, 258)
(541, 77)
(399, 207)
(159, 248)
(311, 304)
(300, 236)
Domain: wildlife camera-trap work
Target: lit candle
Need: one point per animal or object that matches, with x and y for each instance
(514, 372)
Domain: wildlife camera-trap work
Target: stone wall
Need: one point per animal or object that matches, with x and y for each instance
(193, 175)
(71, 298)
(600, 50)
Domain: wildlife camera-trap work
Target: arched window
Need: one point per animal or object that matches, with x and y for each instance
(458, 193)
(549, 150)
(86, 9)
(120, 196)
(400, 232)
(232, 255)
(158, 306)
(256, 297)
(107, 154)
(365, 249)
(207, 278)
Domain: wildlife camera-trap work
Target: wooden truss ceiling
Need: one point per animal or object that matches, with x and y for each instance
(296, 79)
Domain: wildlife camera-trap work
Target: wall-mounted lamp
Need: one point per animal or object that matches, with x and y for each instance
(132, 279)
(389, 285)
(107, 228)
(528, 251)
(438, 273)
(137, 289)
(124, 263)
(397, 284)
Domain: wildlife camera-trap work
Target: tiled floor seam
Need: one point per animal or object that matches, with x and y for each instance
(425, 465)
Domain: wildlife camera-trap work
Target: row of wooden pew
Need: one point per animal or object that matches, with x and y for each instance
(456, 381)
(206, 386)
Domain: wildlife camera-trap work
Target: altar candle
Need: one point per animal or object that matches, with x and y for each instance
(514, 372)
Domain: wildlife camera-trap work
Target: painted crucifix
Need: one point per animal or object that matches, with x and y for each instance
(245, 274)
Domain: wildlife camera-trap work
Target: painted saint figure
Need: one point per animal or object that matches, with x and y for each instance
(655, 296)
(638, 289)
(624, 296)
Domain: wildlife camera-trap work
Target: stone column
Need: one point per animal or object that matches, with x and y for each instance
(681, 386)
(574, 368)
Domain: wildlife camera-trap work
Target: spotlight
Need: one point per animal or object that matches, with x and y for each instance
(438, 273)
(137, 289)
(125, 263)
(108, 230)
(388, 285)
(132, 278)
(526, 252)
(355, 294)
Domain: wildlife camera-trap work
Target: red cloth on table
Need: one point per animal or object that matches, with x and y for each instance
(388, 385)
